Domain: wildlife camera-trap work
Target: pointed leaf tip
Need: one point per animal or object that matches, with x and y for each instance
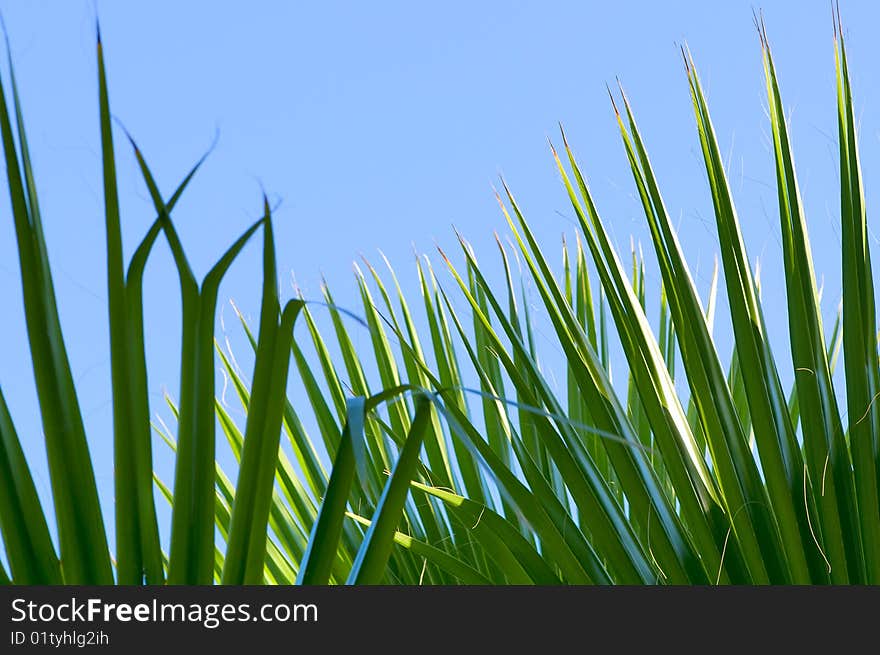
(128, 135)
(564, 137)
(613, 103)
(623, 95)
(506, 188)
(443, 255)
(687, 65)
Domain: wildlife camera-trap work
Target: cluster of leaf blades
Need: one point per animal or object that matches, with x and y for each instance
(467, 466)
(84, 557)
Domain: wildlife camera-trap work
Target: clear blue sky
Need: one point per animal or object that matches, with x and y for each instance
(381, 125)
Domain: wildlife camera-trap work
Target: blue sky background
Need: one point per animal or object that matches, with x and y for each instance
(382, 125)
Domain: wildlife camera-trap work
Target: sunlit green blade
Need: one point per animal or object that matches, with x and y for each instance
(413, 354)
(742, 490)
(385, 361)
(539, 505)
(495, 415)
(859, 324)
(431, 518)
(681, 453)
(837, 529)
(430, 514)
(377, 453)
(693, 416)
(419, 512)
(520, 320)
(781, 459)
(279, 567)
(324, 539)
(671, 549)
(452, 565)
(246, 544)
(301, 503)
(578, 408)
(331, 377)
(369, 564)
(560, 538)
(287, 525)
(320, 404)
(449, 377)
(590, 493)
(277, 562)
(303, 447)
(502, 541)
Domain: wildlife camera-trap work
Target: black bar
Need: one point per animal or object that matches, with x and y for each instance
(453, 619)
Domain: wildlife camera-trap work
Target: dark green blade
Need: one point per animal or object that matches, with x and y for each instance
(29, 549)
(83, 544)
